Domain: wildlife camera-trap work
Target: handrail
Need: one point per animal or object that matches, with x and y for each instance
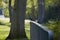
(40, 25)
(40, 32)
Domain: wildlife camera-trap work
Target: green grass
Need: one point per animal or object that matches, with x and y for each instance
(4, 29)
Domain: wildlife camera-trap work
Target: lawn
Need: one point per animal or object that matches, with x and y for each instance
(4, 29)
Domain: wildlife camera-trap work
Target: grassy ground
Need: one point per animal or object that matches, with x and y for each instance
(4, 29)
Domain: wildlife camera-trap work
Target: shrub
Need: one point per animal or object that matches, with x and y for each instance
(55, 27)
(6, 13)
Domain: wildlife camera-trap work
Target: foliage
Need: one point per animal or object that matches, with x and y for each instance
(6, 12)
(4, 4)
(55, 27)
(29, 9)
(51, 3)
(1, 4)
(52, 9)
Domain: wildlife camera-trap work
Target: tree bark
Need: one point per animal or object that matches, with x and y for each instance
(17, 30)
(41, 11)
(10, 11)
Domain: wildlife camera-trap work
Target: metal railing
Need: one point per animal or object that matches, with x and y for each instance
(39, 32)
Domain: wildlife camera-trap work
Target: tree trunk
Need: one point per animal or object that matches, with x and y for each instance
(41, 11)
(10, 11)
(17, 30)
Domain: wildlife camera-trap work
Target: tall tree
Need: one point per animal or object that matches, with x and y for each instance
(17, 30)
(10, 11)
(41, 11)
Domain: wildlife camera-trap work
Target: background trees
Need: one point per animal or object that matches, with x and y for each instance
(0, 3)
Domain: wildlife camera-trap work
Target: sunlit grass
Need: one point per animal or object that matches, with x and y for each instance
(4, 31)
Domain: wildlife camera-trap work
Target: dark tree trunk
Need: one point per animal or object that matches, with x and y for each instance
(17, 30)
(10, 11)
(41, 11)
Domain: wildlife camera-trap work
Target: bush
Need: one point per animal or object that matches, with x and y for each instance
(6, 13)
(55, 27)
